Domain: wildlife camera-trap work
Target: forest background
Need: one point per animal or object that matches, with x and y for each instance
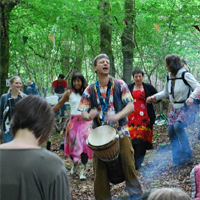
(40, 39)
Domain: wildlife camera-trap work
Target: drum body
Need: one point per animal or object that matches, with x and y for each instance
(104, 141)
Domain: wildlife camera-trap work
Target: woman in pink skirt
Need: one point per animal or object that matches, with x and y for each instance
(77, 129)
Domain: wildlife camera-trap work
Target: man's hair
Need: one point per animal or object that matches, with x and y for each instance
(103, 55)
(35, 114)
(137, 70)
(168, 194)
(61, 76)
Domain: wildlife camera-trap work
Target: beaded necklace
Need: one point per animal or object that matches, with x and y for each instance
(103, 104)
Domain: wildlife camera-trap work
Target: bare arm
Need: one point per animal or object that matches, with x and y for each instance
(65, 98)
(129, 108)
(91, 115)
(151, 99)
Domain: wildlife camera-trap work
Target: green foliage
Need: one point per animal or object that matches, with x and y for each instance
(75, 26)
(156, 135)
(175, 33)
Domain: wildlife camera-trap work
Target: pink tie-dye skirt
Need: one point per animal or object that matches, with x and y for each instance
(77, 132)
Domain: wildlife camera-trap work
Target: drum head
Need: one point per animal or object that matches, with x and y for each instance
(102, 135)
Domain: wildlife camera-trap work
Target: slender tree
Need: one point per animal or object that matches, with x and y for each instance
(106, 33)
(127, 40)
(6, 7)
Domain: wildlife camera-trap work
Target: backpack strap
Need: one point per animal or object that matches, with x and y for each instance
(5, 110)
(182, 77)
(167, 78)
(186, 83)
(8, 95)
(184, 80)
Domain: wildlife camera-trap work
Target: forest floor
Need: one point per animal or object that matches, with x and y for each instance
(157, 171)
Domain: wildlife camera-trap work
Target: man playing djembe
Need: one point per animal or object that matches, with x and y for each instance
(106, 101)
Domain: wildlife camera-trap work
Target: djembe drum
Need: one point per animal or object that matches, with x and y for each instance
(104, 141)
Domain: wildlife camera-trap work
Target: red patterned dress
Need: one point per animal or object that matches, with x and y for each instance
(139, 121)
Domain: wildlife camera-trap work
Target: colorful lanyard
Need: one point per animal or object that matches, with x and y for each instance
(104, 105)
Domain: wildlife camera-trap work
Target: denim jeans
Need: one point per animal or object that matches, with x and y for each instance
(62, 109)
(181, 150)
(7, 137)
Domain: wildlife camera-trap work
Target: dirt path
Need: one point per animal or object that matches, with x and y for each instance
(157, 171)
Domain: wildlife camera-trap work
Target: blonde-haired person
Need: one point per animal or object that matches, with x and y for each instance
(168, 194)
(7, 103)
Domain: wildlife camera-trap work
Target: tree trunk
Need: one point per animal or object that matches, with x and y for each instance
(5, 9)
(106, 34)
(127, 41)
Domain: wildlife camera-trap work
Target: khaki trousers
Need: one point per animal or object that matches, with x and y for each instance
(101, 182)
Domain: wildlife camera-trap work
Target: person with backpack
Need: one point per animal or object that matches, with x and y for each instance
(59, 86)
(181, 88)
(7, 104)
(109, 101)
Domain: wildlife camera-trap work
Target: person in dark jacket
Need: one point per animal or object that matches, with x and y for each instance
(30, 88)
(7, 104)
(141, 120)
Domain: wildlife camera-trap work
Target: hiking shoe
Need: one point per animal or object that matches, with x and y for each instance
(74, 168)
(82, 172)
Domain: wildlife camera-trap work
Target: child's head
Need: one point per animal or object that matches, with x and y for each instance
(168, 194)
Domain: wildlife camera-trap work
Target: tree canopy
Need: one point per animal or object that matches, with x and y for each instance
(51, 37)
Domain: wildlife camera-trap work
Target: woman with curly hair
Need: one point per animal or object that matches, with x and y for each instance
(77, 129)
